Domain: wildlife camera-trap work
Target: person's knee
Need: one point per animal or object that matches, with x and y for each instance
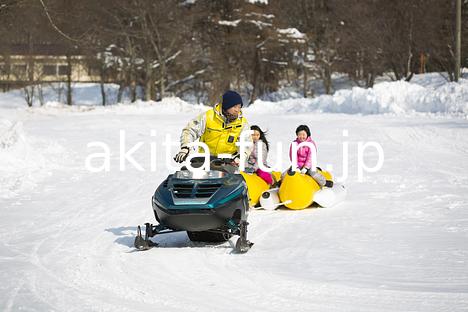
(318, 177)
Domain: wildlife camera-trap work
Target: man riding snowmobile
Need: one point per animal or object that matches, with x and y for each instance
(219, 128)
(213, 206)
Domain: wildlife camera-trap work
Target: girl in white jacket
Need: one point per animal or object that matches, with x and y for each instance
(259, 141)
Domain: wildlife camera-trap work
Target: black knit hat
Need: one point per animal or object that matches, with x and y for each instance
(230, 99)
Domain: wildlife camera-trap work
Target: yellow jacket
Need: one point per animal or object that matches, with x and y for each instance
(213, 129)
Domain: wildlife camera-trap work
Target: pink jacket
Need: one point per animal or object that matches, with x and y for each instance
(304, 154)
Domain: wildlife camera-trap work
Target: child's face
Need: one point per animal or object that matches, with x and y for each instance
(302, 136)
(255, 136)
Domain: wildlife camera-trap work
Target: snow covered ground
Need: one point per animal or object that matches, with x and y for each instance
(398, 243)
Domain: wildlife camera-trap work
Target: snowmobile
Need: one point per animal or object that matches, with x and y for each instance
(211, 206)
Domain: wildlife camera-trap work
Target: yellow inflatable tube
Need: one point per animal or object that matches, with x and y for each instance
(256, 186)
(298, 189)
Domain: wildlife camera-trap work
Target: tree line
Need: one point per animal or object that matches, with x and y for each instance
(203, 47)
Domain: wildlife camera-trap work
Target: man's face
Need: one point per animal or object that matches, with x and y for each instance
(233, 112)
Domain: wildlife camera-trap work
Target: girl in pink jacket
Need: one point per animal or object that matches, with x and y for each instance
(305, 155)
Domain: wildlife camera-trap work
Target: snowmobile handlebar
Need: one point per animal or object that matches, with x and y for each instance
(216, 163)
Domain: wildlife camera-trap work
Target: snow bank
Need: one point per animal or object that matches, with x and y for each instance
(82, 94)
(398, 97)
(428, 93)
(12, 99)
(167, 106)
(24, 161)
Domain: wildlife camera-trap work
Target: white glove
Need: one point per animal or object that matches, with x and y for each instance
(182, 154)
(236, 160)
(304, 170)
